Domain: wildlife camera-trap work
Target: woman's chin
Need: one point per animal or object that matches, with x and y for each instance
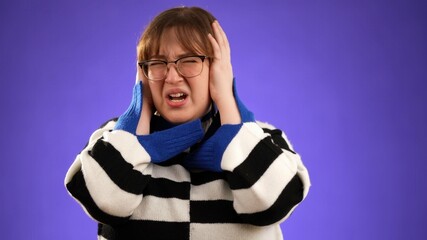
(181, 115)
(178, 119)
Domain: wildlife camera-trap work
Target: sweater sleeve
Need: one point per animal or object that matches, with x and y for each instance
(108, 177)
(267, 178)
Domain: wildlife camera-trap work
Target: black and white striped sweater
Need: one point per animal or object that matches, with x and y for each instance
(262, 181)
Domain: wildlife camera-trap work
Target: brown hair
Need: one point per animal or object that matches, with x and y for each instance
(191, 25)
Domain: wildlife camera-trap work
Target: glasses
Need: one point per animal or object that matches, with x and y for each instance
(189, 66)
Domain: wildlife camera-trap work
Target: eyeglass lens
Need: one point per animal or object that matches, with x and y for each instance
(187, 67)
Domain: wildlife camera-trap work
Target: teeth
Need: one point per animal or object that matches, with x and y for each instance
(175, 95)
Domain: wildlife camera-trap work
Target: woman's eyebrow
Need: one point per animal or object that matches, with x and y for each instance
(186, 54)
(158, 56)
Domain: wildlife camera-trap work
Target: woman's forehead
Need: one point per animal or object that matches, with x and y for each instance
(171, 47)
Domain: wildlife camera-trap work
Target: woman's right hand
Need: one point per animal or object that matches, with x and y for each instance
(143, 127)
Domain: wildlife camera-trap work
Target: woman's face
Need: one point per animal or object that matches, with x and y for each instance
(176, 98)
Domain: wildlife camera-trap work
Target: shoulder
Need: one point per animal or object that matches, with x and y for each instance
(265, 125)
(109, 124)
(277, 134)
(106, 126)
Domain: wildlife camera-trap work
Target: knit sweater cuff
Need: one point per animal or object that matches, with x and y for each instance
(165, 144)
(245, 114)
(128, 121)
(209, 155)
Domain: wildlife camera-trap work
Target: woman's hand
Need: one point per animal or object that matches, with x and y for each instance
(221, 77)
(147, 105)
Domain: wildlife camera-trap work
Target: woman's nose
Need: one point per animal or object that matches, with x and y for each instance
(173, 75)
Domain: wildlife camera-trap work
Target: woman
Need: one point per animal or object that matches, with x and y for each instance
(187, 160)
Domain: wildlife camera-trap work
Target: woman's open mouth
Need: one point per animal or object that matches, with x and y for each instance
(177, 97)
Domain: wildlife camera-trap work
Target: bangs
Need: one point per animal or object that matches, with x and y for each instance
(193, 41)
(190, 25)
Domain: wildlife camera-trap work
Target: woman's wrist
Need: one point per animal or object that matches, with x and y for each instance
(228, 110)
(143, 127)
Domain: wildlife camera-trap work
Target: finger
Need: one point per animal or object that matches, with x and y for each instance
(222, 40)
(215, 47)
(223, 37)
(217, 33)
(139, 75)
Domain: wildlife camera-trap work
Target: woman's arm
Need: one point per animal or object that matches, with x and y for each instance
(109, 175)
(221, 77)
(92, 187)
(267, 178)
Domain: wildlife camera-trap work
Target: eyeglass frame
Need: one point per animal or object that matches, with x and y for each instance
(142, 65)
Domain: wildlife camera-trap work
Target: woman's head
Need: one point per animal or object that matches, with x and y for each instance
(173, 34)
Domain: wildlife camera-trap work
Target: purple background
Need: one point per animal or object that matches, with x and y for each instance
(345, 79)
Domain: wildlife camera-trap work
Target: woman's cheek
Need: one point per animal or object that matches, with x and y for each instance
(156, 93)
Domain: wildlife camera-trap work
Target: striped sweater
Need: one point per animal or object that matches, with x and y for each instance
(261, 182)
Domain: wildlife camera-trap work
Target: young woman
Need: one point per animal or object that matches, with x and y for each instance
(187, 160)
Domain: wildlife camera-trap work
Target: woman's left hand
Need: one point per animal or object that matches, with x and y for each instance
(221, 77)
